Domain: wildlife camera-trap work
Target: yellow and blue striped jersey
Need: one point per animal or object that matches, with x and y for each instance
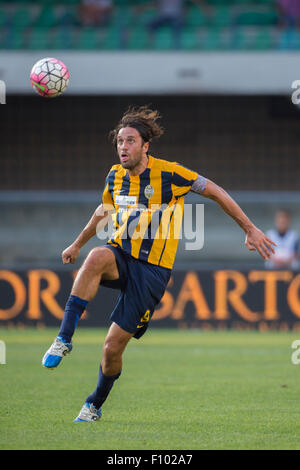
(148, 209)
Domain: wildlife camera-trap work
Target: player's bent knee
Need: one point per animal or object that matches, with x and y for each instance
(98, 259)
(111, 351)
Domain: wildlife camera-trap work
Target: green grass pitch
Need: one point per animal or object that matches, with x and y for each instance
(186, 389)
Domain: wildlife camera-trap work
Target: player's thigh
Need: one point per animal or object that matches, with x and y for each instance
(116, 339)
(102, 260)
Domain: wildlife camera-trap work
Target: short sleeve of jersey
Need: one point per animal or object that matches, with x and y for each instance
(182, 180)
(107, 200)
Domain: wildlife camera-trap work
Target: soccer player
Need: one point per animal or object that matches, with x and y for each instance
(147, 195)
(287, 241)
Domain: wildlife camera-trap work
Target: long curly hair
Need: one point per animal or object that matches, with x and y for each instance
(143, 119)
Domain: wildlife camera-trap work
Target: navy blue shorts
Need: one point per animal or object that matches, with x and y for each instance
(142, 286)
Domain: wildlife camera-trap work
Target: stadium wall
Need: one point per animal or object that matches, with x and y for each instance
(221, 299)
(38, 225)
(124, 72)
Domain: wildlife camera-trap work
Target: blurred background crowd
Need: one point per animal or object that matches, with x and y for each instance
(159, 25)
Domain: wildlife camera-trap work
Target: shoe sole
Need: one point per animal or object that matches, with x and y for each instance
(49, 368)
(78, 420)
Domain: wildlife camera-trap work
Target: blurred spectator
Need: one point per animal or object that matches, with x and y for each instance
(96, 12)
(287, 240)
(170, 13)
(289, 11)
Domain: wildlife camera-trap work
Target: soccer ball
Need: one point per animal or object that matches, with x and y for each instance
(49, 77)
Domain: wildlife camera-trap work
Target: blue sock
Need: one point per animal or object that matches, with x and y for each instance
(73, 311)
(104, 386)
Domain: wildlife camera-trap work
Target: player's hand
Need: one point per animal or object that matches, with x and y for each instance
(257, 240)
(70, 254)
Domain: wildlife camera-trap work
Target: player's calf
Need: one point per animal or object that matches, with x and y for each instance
(62, 344)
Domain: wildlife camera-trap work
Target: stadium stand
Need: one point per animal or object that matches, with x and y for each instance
(209, 25)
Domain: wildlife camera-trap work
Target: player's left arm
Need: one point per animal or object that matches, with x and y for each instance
(255, 238)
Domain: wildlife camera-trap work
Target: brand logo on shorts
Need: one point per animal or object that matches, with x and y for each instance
(149, 191)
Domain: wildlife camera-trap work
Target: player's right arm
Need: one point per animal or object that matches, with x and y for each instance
(96, 223)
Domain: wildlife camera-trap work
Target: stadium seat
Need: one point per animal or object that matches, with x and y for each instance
(88, 38)
(164, 39)
(264, 39)
(70, 17)
(47, 17)
(111, 38)
(22, 18)
(3, 38)
(123, 3)
(222, 16)
(138, 38)
(189, 39)
(3, 17)
(57, 25)
(218, 2)
(123, 16)
(17, 40)
(38, 38)
(71, 2)
(249, 18)
(195, 17)
(266, 2)
(63, 38)
(211, 40)
(48, 2)
(146, 16)
(243, 38)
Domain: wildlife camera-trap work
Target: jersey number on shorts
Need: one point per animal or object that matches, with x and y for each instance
(145, 318)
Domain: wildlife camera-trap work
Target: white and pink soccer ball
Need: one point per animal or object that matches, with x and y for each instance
(49, 77)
